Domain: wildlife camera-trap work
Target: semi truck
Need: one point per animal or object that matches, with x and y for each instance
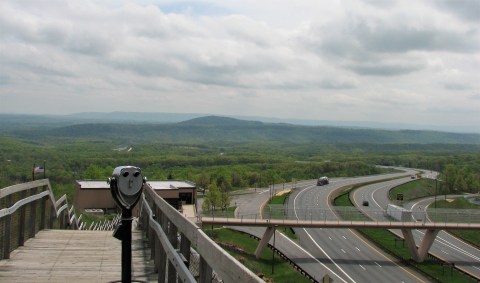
(398, 213)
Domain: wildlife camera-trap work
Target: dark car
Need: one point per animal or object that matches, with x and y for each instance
(322, 181)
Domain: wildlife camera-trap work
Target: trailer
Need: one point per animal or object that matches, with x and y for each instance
(398, 213)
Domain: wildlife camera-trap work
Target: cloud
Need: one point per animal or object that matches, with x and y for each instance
(463, 9)
(384, 69)
(242, 58)
(456, 86)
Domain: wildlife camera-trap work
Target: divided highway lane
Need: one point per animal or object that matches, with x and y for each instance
(342, 250)
(249, 204)
(447, 247)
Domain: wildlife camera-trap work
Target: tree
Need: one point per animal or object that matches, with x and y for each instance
(224, 198)
(449, 177)
(206, 205)
(95, 172)
(213, 196)
(203, 180)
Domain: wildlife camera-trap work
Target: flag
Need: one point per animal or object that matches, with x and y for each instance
(38, 170)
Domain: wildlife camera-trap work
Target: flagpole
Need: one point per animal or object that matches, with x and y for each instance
(33, 172)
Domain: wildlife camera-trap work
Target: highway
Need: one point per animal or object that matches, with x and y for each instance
(446, 247)
(343, 250)
(343, 254)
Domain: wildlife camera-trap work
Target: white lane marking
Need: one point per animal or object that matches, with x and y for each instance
(357, 248)
(475, 267)
(362, 267)
(375, 192)
(344, 237)
(378, 264)
(314, 258)
(444, 242)
(318, 246)
(330, 238)
(444, 252)
(343, 251)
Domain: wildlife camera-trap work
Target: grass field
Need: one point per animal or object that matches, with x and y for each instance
(415, 189)
(242, 247)
(280, 199)
(471, 236)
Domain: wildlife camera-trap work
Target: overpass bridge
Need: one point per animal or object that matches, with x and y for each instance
(313, 217)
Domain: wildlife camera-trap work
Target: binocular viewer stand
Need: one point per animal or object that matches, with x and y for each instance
(126, 186)
(123, 232)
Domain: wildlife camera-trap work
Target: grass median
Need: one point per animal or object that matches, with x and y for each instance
(242, 247)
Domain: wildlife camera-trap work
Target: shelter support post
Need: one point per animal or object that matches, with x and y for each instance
(264, 241)
(419, 254)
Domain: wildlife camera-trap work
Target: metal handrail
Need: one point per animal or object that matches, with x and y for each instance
(166, 223)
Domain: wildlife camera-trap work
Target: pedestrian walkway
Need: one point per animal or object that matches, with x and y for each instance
(56, 256)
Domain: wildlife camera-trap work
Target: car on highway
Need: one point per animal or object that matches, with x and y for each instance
(322, 181)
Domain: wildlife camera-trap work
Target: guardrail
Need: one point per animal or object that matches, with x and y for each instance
(175, 241)
(27, 208)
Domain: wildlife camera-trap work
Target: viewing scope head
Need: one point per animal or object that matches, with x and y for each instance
(126, 185)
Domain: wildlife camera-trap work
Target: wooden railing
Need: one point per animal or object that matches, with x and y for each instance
(29, 207)
(175, 241)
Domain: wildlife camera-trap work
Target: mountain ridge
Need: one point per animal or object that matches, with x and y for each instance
(165, 118)
(221, 129)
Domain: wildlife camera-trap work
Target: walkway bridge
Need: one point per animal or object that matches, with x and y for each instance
(350, 217)
(42, 240)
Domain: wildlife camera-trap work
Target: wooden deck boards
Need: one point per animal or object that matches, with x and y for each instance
(75, 256)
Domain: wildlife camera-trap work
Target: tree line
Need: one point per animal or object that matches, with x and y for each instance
(227, 167)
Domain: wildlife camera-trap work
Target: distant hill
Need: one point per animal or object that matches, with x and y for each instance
(217, 121)
(218, 130)
(134, 117)
(213, 129)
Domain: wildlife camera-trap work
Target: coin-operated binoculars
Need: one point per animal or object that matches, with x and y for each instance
(126, 186)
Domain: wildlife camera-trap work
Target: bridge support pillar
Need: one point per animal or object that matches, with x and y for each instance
(264, 241)
(419, 254)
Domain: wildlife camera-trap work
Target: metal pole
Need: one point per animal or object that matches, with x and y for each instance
(127, 246)
(436, 188)
(273, 251)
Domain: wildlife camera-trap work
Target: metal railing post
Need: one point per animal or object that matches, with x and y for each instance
(21, 222)
(43, 212)
(7, 229)
(172, 237)
(185, 248)
(161, 260)
(32, 223)
(205, 271)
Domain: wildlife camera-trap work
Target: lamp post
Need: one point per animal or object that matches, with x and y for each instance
(273, 250)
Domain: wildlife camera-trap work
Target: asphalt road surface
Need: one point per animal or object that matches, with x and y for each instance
(342, 250)
(341, 253)
(446, 247)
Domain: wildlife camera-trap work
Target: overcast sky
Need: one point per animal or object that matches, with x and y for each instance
(412, 62)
